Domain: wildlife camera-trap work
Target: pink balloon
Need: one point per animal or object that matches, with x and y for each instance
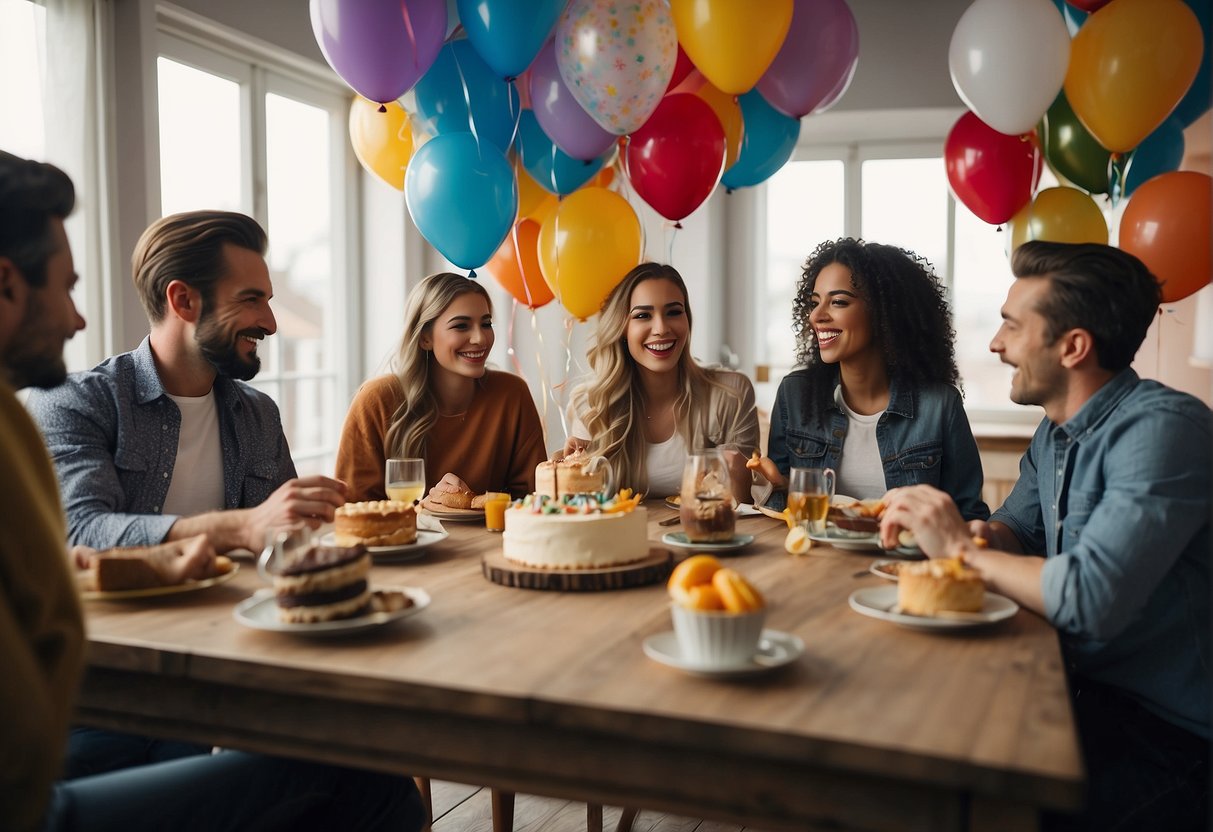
(572, 129)
(817, 61)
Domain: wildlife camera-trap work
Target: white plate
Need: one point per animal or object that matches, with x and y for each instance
(457, 515)
(877, 602)
(151, 592)
(260, 612)
(775, 649)
(851, 541)
(881, 569)
(403, 552)
(679, 540)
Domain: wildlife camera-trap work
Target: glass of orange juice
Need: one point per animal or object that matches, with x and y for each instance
(494, 512)
(809, 493)
(404, 479)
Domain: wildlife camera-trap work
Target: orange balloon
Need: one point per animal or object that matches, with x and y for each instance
(383, 142)
(1060, 215)
(516, 266)
(1130, 64)
(1167, 225)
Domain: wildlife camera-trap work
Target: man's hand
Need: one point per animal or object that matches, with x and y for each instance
(930, 515)
(307, 500)
(195, 559)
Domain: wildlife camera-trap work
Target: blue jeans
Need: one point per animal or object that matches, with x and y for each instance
(1143, 772)
(236, 791)
(96, 751)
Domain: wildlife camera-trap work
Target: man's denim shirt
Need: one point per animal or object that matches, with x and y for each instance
(112, 432)
(923, 436)
(1117, 500)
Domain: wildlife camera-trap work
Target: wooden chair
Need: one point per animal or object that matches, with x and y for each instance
(503, 811)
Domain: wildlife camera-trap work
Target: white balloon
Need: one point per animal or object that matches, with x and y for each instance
(1008, 60)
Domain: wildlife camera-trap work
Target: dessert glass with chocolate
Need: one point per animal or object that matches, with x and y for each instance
(707, 510)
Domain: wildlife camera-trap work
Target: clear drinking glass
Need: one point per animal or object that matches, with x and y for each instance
(707, 510)
(809, 493)
(404, 480)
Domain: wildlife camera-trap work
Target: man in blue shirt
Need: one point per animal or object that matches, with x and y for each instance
(1107, 532)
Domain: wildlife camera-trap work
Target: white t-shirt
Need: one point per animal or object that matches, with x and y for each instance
(197, 484)
(860, 474)
(664, 462)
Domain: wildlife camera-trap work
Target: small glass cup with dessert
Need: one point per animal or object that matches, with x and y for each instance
(706, 501)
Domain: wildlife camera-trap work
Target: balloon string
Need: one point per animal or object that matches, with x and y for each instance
(511, 350)
(516, 116)
(467, 100)
(545, 388)
(408, 28)
(625, 187)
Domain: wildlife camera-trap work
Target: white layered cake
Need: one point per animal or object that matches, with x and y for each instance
(581, 532)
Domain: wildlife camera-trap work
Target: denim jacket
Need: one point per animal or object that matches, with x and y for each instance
(923, 436)
(1117, 501)
(113, 431)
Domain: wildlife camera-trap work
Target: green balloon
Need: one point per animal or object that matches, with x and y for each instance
(1071, 150)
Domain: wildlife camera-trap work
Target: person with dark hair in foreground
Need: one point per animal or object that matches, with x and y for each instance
(41, 625)
(876, 395)
(1106, 534)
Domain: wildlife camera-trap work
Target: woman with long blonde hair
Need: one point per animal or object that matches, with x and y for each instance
(651, 404)
(477, 429)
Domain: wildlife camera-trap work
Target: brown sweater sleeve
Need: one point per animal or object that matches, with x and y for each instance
(362, 453)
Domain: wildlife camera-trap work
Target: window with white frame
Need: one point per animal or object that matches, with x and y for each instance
(895, 193)
(239, 134)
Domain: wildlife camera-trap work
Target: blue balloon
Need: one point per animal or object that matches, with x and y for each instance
(1199, 97)
(547, 164)
(458, 76)
(770, 137)
(462, 197)
(1159, 152)
(1074, 17)
(508, 34)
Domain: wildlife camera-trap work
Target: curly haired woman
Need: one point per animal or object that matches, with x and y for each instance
(650, 403)
(876, 398)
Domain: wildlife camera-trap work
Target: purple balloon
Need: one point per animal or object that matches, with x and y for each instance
(570, 127)
(379, 47)
(815, 65)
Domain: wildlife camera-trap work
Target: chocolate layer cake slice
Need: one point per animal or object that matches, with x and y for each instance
(323, 583)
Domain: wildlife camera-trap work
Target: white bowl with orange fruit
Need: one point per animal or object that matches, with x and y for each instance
(718, 614)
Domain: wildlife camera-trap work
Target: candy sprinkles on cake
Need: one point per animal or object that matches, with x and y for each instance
(623, 502)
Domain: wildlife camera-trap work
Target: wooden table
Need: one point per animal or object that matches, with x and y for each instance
(874, 728)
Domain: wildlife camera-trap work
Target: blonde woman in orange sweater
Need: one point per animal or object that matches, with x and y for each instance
(477, 429)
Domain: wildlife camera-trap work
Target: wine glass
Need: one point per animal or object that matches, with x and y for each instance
(404, 480)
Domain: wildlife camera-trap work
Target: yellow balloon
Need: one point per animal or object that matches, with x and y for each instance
(383, 142)
(732, 42)
(534, 202)
(1130, 65)
(588, 244)
(1059, 215)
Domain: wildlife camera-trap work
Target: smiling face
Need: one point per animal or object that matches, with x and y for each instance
(461, 337)
(839, 317)
(34, 357)
(237, 316)
(658, 328)
(1022, 343)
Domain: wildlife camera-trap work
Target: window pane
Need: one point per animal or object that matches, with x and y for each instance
(805, 205)
(905, 204)
(299, 200)
(200, 160)
(21, 128)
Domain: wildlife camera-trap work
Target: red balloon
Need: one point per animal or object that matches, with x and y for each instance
(676, 158)
(992, 173)
(1167, 225)
(1088, 6)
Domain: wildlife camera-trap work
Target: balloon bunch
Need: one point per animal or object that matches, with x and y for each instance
(511, 136)
(1101, 90)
